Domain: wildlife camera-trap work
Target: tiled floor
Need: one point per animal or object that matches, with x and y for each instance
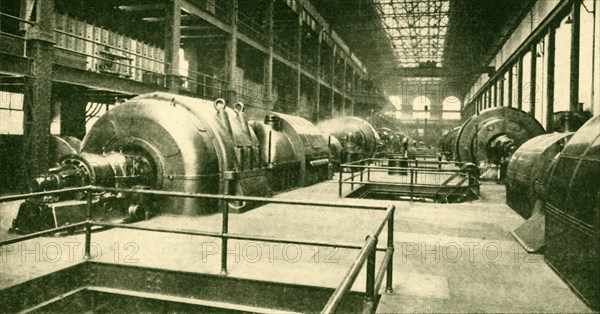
(449, 258)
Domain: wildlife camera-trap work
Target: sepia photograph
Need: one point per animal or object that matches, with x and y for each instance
(299, 156)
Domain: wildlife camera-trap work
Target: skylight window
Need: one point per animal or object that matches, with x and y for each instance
(416, 29)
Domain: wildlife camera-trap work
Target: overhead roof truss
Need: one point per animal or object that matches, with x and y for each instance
(417, 29)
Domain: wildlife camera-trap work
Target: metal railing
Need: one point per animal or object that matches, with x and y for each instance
(248, 26)
(418, 175)
(367, 251)
(218, 8)
(308, 64)
(284, 49)
(250, 95)
(203, 85)
(368, 254)
(14, 27)
(89, 47)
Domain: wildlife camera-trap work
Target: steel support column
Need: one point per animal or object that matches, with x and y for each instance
(318, 77)
(231, 52)
(38, 91)
(172, 40)
(550, 58)
(269, 58)
(353, 88)
(501, 83)
(575, 36)
(333, 79)
(299, 67)
(344, 94)
(532, 81)
(520, 83)
(510, 87)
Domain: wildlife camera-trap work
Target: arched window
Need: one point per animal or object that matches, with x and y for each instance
(451, 108)
(421, 107)
(421, 103)
(451, 103)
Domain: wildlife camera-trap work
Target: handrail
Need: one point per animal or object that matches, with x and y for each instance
(367, 254)
(357, 169)
(83, 38)
(10, 198)
(43, 233)
(223, 197)
(349, 278)
(18, 33)
(433, 162)
(367, 251)
(387, 259)
(422, 170)
(17, 18)
(226, 235)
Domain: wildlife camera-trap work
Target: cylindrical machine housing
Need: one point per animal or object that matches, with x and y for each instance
(448, 143)
(357, 136)
(494, 135)
(391, 142)
(572, 232)
(527, 168)
(293, 149)
(194, 145)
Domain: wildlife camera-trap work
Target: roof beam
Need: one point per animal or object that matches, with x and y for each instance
(142, 7)
(432, 72)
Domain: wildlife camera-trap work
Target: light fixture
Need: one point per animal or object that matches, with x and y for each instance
(569, 20)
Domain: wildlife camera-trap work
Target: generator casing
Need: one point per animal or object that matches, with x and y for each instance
(194, 145)
(358, 137)
(572, 230)
(477, 138)
(527, 170)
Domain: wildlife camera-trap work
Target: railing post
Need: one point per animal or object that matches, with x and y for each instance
(88, 227)
(340, 182)
(224, 231)
(362, 170)
(370, 287)
(412, 184)
(390, 246)
(369, 173)
(351, 178)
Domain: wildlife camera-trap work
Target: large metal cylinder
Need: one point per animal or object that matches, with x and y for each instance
(448, 143)
(358, 137)
(391, 142)
(193, 145)
(572, 231)
(494, 135)
(527, 168)
(293, 149)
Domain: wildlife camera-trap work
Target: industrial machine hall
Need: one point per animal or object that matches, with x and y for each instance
(305, 156)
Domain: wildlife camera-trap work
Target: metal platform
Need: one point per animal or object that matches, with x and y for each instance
(410, 179)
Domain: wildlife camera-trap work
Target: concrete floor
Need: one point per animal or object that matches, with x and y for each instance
(449, 258)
